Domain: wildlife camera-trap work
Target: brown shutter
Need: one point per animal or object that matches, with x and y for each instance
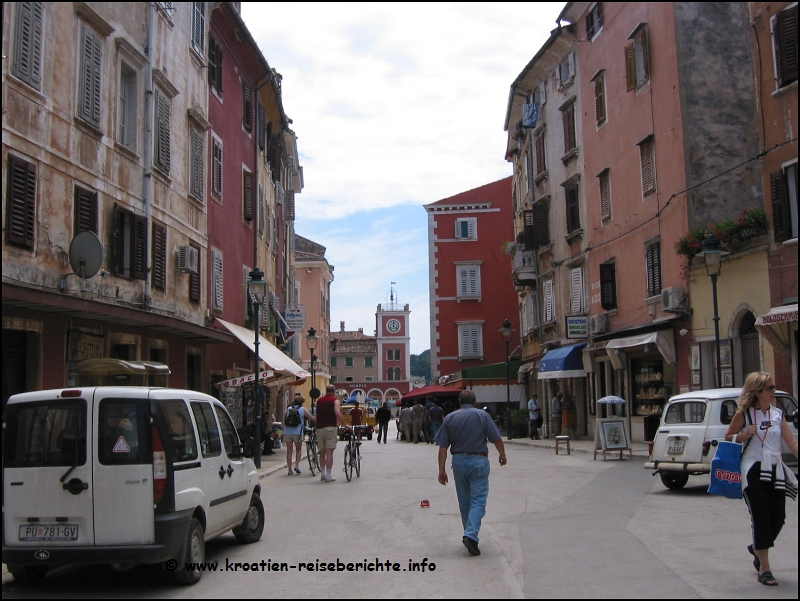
(541, 164)
(91, 66)
(573, 213)
(247, 108)
(159, 256)
(21, 202)
(568, 120)
(605, 195)
(194, 278)
(786, 46)
(139, 247)
(248, 195)
(262, 127)
(653, 266)
(163, 132)
(608, 286)
(85, 211)
(648, 177)
(780, 207)
(541, 228)
(599, 100)
(118, 241)
(630, 66)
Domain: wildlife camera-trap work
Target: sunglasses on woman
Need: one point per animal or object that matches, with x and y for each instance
(772, 388)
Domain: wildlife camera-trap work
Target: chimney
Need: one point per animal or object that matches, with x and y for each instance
(360, 330)
(341, 326)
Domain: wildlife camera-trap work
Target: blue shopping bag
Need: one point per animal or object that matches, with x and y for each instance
(726, 471)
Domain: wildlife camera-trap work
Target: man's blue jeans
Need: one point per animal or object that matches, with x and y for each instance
(471, 476)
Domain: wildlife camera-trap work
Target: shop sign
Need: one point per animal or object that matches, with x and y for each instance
(295, 318)
(84, 346)
(267, 373)
(577, 327)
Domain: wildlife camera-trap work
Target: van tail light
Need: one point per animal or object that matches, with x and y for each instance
(650, 447)
(159, 466)
(706, 447)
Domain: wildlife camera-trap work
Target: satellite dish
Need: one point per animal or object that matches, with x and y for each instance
(86, 255)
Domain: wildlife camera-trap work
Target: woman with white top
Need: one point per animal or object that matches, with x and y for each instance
(766, 481)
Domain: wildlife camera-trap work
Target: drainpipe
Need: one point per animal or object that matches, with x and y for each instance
(148, 150)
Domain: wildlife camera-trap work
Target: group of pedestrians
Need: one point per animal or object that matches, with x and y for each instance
(421, 422)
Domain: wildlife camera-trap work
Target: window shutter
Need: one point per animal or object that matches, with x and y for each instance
(261, 216)
(28, 49)
(118, 241)
(91, 66)
(549, 302)
(267, 224)
(608, 286)
(139, 247)
(645, 56)
(21, 202)
(162, 140)
(262, 127)
(197, 176)
(194, 278)
(85, 211)
(541, 227)
(568, 120)
(785, 39)
(288, 205)
(605, 195)
(199, 26)
(217, 168)
(648, 175)
(780, 207)
(541, 164)
(528, 232)
(630, 66)
(653, 260)
(576, 279)
(217, 285)
(573, 211)
(248, 195)
(247, 108)
(212, 61)
(599, 100)
(159, 256)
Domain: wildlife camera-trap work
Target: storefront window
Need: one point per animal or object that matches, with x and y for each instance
(649, 390)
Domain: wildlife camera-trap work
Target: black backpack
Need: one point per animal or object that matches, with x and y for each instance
(292, 417)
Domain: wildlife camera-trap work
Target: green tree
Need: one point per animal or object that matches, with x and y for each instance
(421, 365)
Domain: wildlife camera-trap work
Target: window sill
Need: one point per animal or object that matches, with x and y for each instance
(197, 56)
(572, 154)
(573, 236)
(161, 174)
(469, 298)
(787, 88)
(25, 88)
(540, 178)
(131, 154)
(545, 250)
(471, 358)
(88, 128)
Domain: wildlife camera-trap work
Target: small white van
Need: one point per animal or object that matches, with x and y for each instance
(691, 427)
(122, 475)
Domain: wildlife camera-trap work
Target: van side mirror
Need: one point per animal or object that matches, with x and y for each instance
(795, 418)
(249, 447)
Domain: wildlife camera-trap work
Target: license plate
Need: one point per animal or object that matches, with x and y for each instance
(48, 532)
(675, 447)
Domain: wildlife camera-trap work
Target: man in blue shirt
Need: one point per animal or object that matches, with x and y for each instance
(465, 432)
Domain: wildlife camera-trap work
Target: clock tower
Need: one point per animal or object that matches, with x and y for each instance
(394, 340)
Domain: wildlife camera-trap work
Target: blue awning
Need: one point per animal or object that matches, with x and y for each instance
(563, 362)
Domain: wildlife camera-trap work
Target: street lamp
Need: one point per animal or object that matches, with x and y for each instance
(506, 332)
(311, 343)
(257, 289)
(712, 255)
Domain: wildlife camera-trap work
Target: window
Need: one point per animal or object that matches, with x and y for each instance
(573, 212)
(647, 155)
(199, 27)
(334, 379)
(394, 373)
(194, 278)
(127, 107)
(783, 188)
(530, 317)
(130, 244)
(576, 290)
(367, 361)
(469, 281)
(215, 65)
(637, 59)
(28, 43)
(196, 171)
(247, 195)
(89, 86)
(549, 305)
(159, 256)
(541, 163)
(537, 231)
(368, 378)
(162, 138)
(605, 194)
(348, 378)
(568, 121)
(784, 38)
(466, 229)
(528, 171)
(470, 341)
(608, 286)
(594, 21)
(247, 107)
(207, 428)
(216, 176)
(217, 287)
(653, 267)
(686, 413)
(334, 361)
(348, 362)
(122, 432)
(393, 354)
(566, 70)
(180, 430)
(85, 211)
(229, 436)
(600, 99)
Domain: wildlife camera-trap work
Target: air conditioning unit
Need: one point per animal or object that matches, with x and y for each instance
(188, 259)
(672, 299)
(599, 323)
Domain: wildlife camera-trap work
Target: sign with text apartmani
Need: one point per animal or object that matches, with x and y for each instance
(577, 327)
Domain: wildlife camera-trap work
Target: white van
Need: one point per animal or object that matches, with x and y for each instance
(122, 476)
(691, 427)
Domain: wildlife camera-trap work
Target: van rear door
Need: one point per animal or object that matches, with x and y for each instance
(123, 468)
(47, 473)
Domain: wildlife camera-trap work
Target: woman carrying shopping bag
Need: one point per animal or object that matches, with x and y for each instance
(765, 479)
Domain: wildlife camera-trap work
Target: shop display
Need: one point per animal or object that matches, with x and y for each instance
(650, 393)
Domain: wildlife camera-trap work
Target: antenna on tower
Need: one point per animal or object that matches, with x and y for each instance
(392, 297)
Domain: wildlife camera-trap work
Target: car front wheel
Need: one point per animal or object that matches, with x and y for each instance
(674, 481)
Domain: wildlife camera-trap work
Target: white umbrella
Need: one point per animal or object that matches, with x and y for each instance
(612, 400)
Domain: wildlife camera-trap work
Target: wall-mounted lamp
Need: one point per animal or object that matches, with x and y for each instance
(683, 332)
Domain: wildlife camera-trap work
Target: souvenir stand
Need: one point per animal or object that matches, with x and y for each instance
(612, 433)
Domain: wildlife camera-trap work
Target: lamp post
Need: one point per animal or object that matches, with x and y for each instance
(257, 288)
(311, 342)
(506, 332)
(712, 256)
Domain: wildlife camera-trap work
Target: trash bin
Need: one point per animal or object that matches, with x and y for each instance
(651, 423)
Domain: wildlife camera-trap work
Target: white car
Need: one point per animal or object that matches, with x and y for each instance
(122, 476)
(691, 427)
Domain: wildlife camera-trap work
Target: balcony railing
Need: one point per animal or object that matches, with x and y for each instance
(524, 264)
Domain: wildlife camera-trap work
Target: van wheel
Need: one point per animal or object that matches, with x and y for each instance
(27, 575)
(252, 526)
(369, 435)
(674, 481)
(193, 552)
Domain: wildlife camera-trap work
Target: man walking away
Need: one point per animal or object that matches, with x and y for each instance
(437, 416)
(406, 416)
(465, 432)
(555, 414)
(329, 414)
(417, 418)
(383, 416)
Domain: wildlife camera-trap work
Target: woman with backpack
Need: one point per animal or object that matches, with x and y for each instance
(293, 423)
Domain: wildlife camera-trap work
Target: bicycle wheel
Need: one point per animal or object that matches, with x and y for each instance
(348, 463)
(358, 463)
(313, 461)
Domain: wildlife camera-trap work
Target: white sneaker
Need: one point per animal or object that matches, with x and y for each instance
(322, 475)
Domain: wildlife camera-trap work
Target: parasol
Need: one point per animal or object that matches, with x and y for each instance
(612, 400)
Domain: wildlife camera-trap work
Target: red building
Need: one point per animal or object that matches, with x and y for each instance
(471, 293)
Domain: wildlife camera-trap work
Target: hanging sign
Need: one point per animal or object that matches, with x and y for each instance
(295, 318)
(267, 373)
(577, 327)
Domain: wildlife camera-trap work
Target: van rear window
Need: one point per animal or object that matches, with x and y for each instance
(123, 432)
(45, 434)
(686, 413)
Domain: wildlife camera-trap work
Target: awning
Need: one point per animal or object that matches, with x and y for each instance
(774, 326)
(524, 370)
(563, 362)
(267, 351)
(662, 340)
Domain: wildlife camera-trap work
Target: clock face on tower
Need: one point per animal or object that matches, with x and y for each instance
(393, 326)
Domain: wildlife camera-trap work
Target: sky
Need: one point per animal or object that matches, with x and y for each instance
(395, 106)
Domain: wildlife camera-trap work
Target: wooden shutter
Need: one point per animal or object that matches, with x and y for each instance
(262, 127)
(21, 202)
(85, 211)
(608, 286)
(645, 56)
(785, 40)
(605, 195)
(139, 247)
(199, 26)
(573, 210)
(541, 164)
(91, 68)
(28, 47)
(781, 218)
(576, 290)
(288, 205)
(159, 256)
(568, 121)
(217, 282)
(247, 107)
(600, 99)
(162, 140)
(648, 172)
(217, 168)
(261, 215)
(541, 226)
(198, 173)
(549, 302)
(653, 265)
(215, 64)
(118, 241)
(248, 195)
(630, 66)
(194, 278)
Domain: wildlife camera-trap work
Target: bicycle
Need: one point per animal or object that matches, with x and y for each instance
(352, 454)
(312, 450)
